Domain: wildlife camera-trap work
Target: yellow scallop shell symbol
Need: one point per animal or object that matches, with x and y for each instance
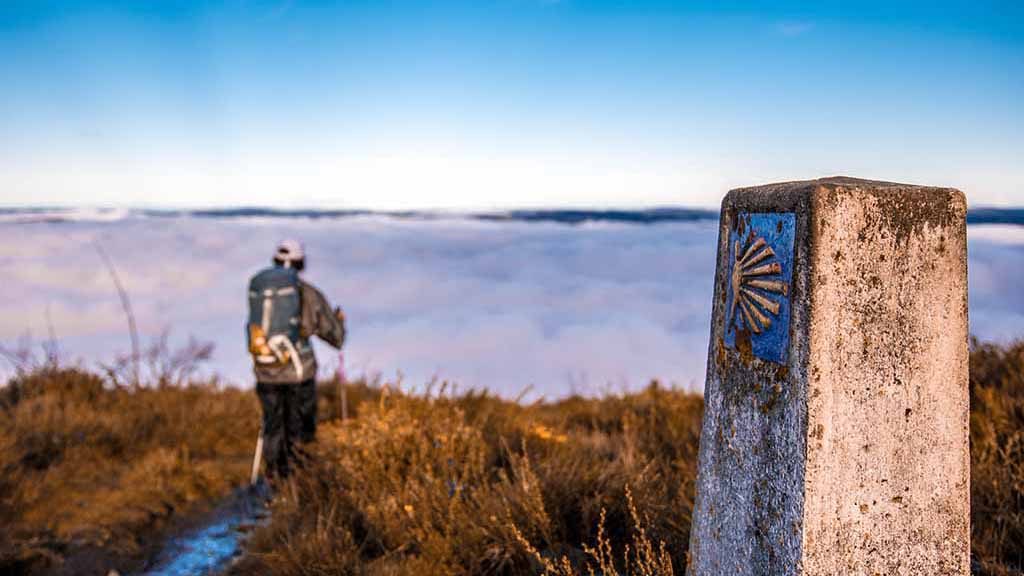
(754, 282)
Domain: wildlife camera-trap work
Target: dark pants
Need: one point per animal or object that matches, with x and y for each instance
(289, 418)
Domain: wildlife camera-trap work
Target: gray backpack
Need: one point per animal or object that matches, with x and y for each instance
(275, 311)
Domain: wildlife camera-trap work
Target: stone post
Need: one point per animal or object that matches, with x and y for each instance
(834, 439)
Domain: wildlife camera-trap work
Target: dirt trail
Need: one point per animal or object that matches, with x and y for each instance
(212, 542)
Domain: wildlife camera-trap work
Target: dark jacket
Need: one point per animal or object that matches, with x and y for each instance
(318, 319)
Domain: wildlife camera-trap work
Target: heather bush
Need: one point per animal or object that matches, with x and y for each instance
(997, 458)
(84, 464)
(479, 485)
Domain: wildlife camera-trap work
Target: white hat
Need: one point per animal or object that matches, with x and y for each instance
(290, 251)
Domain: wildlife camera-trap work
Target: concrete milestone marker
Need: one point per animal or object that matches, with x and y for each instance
(834, 439)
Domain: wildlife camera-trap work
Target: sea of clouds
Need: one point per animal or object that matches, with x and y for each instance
(499, 305)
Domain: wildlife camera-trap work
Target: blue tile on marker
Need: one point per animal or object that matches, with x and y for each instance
(758, 284)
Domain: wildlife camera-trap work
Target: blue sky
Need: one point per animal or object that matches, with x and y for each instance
(499, 103)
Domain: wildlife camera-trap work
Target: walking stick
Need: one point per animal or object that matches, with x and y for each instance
(342, 389)
(342, 392)
(255, 476)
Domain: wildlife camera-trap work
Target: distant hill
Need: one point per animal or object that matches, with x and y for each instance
(574, 216)
(561, 216)
(995, 216)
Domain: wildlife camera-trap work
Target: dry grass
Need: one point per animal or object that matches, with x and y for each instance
(997, 458)
(87, 466)
(419, 485)
(478, 485)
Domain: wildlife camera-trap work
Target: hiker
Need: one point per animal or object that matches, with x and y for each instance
(284, 313)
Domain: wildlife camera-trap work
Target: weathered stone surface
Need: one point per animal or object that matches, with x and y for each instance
(834, 438)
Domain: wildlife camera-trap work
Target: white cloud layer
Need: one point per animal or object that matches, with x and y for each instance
(496, 305)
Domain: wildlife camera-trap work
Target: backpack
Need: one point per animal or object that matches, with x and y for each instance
(275, 311)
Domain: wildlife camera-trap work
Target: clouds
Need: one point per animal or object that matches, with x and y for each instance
(496, 305)
(996, 273)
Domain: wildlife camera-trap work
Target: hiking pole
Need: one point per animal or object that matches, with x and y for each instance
(342, 391)
(256, 459)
